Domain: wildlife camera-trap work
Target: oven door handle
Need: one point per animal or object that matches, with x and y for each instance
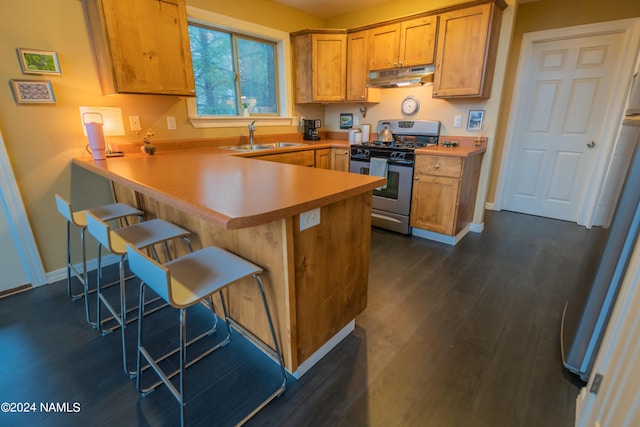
(386, 218)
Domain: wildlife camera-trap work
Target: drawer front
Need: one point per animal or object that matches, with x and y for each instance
(439, 166)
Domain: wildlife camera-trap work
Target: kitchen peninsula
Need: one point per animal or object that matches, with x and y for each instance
(315, 278)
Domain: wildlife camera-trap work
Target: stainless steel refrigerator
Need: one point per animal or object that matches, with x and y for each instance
(587, 312)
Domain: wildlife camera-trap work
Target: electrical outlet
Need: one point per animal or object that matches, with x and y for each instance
(171, 123)
(309, 219)
(457, 121)
(134, 123)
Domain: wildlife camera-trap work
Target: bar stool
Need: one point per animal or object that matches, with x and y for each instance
(105, 213)
(182, 283)
(142, 235)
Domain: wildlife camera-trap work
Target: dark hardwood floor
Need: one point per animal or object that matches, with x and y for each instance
(452, 336)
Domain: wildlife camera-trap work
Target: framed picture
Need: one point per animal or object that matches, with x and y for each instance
(346, 120)
(475, 120)
(32, 91)
(38, 61)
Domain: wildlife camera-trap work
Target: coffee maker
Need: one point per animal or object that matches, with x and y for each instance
(311, 130)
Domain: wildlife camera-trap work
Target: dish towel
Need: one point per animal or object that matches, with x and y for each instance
(378, 167)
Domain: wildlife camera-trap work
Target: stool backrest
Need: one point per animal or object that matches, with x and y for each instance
(152, 273)
(100, 230)
(64, 207)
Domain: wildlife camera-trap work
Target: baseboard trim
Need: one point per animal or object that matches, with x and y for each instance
(92, 264)
(304, 367)
(16, 290)
(476, 227)
(442, 238)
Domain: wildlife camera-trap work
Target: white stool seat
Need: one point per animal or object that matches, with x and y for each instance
(199, 274)
(144, 234)
(141, 235)
(107, 212)
(183, 283)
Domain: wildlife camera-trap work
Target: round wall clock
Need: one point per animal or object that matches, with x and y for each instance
(410, 105)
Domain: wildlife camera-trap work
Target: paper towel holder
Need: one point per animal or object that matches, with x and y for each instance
(95, 134)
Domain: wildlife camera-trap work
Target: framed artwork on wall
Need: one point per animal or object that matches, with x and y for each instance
(475, 120)
(35, 61)
(346, 120)
(32, 91)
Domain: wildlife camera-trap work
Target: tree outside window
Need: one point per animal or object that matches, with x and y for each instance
(232, 70)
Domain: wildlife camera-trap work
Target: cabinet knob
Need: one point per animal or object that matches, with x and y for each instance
(417, 177)
(400, 63)
(591, 144)
(435, 93)
(436, 166)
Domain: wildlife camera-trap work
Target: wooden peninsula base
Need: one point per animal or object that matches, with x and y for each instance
(315, 279)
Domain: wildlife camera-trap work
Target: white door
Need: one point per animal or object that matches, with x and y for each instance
(567, 88)
(20, 261)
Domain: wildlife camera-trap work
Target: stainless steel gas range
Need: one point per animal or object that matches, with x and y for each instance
(392, 203)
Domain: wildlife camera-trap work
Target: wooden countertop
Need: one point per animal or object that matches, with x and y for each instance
(228, 190)
(457, 151)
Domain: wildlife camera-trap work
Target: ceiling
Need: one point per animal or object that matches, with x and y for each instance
(329, 8)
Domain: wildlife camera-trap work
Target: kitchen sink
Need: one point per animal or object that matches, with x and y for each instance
(270, 146)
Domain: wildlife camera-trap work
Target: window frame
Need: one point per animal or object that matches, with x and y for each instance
(283, 66)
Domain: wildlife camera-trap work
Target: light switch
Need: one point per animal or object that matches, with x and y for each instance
(457, 121)
(171, 123)
(309, 219)
(134, 123)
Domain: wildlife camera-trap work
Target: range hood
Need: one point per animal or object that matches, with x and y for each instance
(401, 77)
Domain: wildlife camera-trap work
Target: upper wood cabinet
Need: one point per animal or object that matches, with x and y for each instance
(403, 44)
(358, 70)
(141, 46)
(467, 46)
(319, 65)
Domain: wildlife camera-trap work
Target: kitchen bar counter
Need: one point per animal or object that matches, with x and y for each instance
(315, 278)
(229, 191)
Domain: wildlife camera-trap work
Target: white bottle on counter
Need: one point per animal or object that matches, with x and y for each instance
(353, 134)
(365, 132)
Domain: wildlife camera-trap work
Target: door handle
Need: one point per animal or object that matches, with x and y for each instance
(591, 144)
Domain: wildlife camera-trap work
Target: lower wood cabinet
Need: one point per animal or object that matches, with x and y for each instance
(340, 159)
(301, 158)
(444, 192)
(323, 158)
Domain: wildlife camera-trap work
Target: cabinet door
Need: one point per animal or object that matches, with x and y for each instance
(142, 46)
(358, 69)
(462, 53)
(434, 203)
(340, 159)
(384, 45)
(301, 158)
(323, 158)
(418, 41)
(329, 67)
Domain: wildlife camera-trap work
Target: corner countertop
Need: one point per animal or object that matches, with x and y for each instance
(229, 190)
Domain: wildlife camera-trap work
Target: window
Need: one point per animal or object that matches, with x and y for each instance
(232, 73)
(236, 65)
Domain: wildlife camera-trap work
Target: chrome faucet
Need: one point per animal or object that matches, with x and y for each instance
(252, 128)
